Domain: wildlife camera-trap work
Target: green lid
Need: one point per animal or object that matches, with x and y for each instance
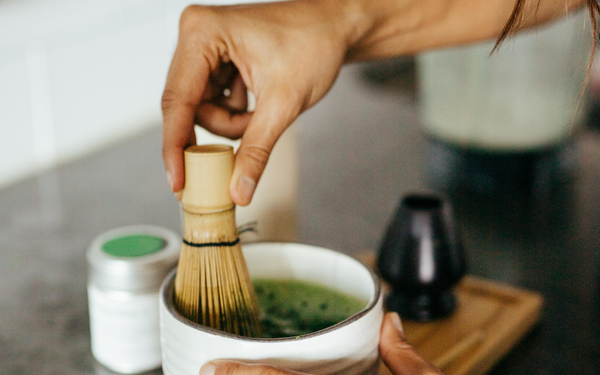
(133, 246)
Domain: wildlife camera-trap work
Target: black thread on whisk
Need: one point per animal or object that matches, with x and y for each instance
(212, 244)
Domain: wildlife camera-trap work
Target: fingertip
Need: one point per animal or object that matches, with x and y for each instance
(174, 184)
(396, 322)
(170, 179)
(266, 124)
(397, 353)
(250, 163)
(391, 328)
(392, 334)
(208, 368)
(178, 195)
(245, 188)
(173, 160)
(223, 366)
(176, 180)
(242, 189)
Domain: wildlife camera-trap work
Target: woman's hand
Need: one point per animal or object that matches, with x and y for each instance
(220, 367)
(398, 355)
(287, 54)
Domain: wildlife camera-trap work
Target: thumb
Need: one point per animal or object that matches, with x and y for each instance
(398, 355)
(221, 367)
(270, 119)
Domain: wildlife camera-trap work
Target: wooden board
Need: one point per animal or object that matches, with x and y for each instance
(490, 319)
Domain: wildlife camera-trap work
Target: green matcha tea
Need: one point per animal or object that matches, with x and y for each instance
(293, 308)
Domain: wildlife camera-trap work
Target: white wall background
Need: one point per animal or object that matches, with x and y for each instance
(78, 74)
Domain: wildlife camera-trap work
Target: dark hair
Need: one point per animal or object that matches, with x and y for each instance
(513, 25)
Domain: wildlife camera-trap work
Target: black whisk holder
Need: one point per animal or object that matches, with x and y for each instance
(422, 258)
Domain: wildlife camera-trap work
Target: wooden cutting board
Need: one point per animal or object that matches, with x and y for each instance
(490, 319)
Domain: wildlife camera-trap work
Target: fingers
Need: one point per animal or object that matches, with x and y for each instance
(178, 133)
(185, 86)
(200, 69)
(220, 45)
(237, 100)
(220, 121)
(272, 116)
(399, 356)
(238, 368)
(226, 115)
(183, 92)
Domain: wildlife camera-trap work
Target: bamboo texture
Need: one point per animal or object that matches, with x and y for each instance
(212, 285)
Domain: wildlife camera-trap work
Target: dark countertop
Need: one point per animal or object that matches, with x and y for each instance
(531, 220)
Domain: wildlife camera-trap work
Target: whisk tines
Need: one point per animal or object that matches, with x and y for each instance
(213, 286)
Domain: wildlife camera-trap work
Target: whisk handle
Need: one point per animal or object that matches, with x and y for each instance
(208, 170)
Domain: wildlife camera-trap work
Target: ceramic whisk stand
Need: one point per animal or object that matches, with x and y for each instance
(421, 257)
(126, 268)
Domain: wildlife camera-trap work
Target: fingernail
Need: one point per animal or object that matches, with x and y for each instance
(207, 369)
(397, 322)
(246, 187)
(178, 195)
(170, 180)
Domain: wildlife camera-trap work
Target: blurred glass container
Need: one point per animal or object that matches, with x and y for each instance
(523, 97)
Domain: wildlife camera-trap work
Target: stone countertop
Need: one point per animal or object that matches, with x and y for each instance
(360, 149)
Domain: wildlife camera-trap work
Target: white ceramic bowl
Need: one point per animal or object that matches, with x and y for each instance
(349, 347)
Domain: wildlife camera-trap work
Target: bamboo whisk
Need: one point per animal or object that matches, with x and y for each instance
(212, 285)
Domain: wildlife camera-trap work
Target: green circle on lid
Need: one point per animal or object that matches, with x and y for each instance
(133, 246)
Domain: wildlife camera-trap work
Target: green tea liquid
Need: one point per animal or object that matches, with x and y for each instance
(293, 308)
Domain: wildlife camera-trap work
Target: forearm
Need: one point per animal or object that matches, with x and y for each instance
(289, 53)
(385, 28)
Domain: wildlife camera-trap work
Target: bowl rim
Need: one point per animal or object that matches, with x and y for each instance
(167, 291)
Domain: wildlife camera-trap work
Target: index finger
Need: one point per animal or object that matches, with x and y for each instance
(186, 81)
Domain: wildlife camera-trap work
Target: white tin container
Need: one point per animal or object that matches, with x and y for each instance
(126, 268)
(349, 347)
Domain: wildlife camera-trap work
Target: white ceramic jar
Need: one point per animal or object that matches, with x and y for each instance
(349, 347)
(126, 268)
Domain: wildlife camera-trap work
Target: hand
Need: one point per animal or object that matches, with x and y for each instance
(398, 355)
(220, 367)
(287, 54)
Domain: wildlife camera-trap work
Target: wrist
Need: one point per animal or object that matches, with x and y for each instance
(383, 28)
(352, 20)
